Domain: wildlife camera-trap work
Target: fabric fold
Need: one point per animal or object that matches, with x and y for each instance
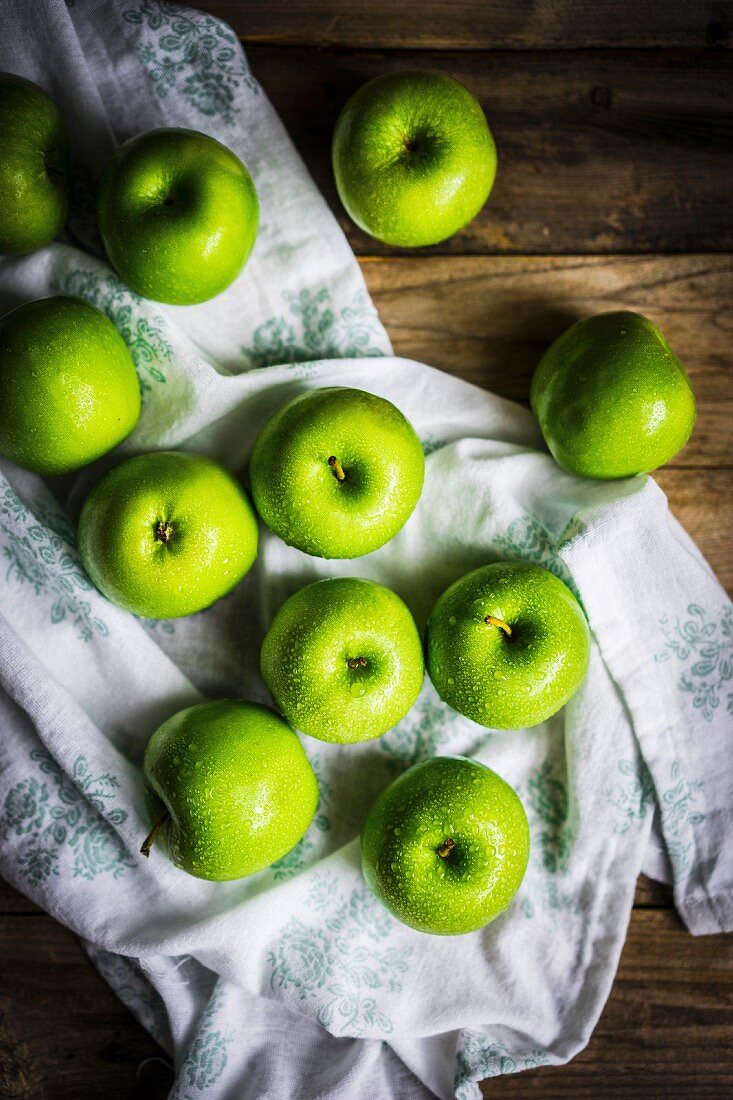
(296, 981)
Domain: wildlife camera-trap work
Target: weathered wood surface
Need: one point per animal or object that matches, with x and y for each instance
(489, 319)
(613, 125)
(479, 24)
(599, 151)
(665, 1031)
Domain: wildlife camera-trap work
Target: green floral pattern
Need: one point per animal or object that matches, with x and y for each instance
(548, 801)
(430, 444)
(478, 1057)
(149, 349)
(58, 817)
(526, 539)
(419, 735)
(679, 818)
(339, 966)
(133, 989)
(208, 1054)
(308, 848)
(631, 795)
(547, 806)
(40, 551)
(194, 54)
(704, 646)
(313, 328)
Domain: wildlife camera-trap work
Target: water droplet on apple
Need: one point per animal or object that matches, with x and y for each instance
(452, 620)
(397, 830)
(394, 866)
(356, 689)
(450, 679)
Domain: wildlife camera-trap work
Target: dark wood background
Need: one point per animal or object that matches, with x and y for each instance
(613, 123)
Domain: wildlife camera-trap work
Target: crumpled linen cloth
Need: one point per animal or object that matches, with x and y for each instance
(296, 982)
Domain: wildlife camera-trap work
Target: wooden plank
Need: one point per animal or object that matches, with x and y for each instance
(479, 24)
(63, 1032)
(702, 500)
(489, 319)
(12, 901)
(598, 151)
(652, 895)
(665, 1031)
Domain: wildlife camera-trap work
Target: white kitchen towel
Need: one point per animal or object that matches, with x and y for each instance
(296, 982)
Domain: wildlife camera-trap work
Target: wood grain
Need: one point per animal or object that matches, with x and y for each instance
(489, 319)
(599, 151)
(478, 24)
(665, 1031)
(63, 1032)
(703, 503)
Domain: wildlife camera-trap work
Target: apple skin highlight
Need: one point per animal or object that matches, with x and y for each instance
(445, 847)
(514, 679)
(343, 660)
(413, 157)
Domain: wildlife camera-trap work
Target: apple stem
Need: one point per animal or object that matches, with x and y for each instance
(357, 662)
(337, 468)
(149, 841)
(493, 621)
(163, 532)
(446, 847)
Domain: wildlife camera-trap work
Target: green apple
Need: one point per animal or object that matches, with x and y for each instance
(337, 472)
(445, 847)
(507, 645)
(167, 534)
(230, 789)
(34, 166)
(343, 660)
(68, 387)
(178, 214)
(612, 398)
(413, 157)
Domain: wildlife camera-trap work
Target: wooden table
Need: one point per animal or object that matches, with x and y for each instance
(613, 122)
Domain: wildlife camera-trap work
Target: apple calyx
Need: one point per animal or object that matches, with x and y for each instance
(357, 662)
(492, 620)
(163, 532)
(446, 847)
(337, 468)
(149, 841)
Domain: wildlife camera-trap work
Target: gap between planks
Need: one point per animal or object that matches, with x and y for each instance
(478, 24)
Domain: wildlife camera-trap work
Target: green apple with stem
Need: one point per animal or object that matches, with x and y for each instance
(34, 166)
(343, 660)
(445, 847)
(413, 157)
(230, 789)
(612, 398)
(337, 472)
(68, 387)
(507, 645)
(167, 534)
(178, 214)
